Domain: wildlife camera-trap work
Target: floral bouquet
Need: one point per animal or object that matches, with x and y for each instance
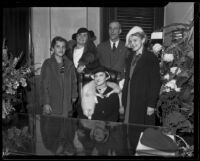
(16, 140)
(175, 104)
(12, 79)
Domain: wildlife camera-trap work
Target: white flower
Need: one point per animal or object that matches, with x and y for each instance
(15, 85)
(5, 51)
(171, 84)
(157, 47)
(167, 90)
(28, 70)
(175, 69)
(168, 57)
(9, 84)
(15, 61)
(10, 91)
(23, 82)
(177, 89)
(166, 76)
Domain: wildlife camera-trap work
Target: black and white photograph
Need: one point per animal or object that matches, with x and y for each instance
(101, 81)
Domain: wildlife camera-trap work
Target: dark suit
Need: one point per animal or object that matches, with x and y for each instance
(114, 60)
(144, 87)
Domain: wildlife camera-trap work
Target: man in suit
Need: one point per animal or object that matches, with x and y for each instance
(112, 53)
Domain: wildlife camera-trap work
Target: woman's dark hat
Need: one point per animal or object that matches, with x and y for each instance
(80, 30)
(99, 69)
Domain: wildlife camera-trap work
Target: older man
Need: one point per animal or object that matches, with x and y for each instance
(112, 53)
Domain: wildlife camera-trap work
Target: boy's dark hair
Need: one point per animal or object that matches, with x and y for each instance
(58, 38)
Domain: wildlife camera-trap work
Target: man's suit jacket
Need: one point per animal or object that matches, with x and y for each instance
(114, 60)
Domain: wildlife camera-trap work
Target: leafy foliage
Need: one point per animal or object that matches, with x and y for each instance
(175, 105)
(12, 79)
(15, 139)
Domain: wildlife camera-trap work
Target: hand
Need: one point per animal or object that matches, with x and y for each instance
(99, 95)
(121, 83)
(74, 100)
(80, 68)
(90, 113)
(47, 109)
(113, 91)
(150, 110)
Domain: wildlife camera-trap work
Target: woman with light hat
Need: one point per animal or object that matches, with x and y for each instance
(142, 80)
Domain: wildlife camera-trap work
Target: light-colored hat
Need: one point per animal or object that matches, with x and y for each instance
(134, 30)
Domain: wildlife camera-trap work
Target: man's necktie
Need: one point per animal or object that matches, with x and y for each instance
(114, 47)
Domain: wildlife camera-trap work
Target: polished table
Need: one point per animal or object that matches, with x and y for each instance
(51, 135)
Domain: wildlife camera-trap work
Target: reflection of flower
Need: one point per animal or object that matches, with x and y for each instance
(15, 139)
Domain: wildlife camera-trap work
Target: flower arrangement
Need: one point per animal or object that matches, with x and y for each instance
(15, 139)
(175, 104)
(12, 79)
(177, 74)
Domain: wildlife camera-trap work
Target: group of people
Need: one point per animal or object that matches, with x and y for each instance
(65, 92)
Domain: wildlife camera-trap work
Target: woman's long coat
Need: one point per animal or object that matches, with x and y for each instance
(55, 93)
(144, 87)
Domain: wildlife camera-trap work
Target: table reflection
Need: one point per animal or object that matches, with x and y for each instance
(52, 135)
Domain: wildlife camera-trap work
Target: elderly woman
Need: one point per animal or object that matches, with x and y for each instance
(142, 80)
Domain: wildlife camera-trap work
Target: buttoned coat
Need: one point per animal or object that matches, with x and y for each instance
(144, 87)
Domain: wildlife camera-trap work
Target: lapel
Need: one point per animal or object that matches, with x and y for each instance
(140, 64)
(120, 46)
(128, 62)
(67, 65)
(108, 46)
(118, 51)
